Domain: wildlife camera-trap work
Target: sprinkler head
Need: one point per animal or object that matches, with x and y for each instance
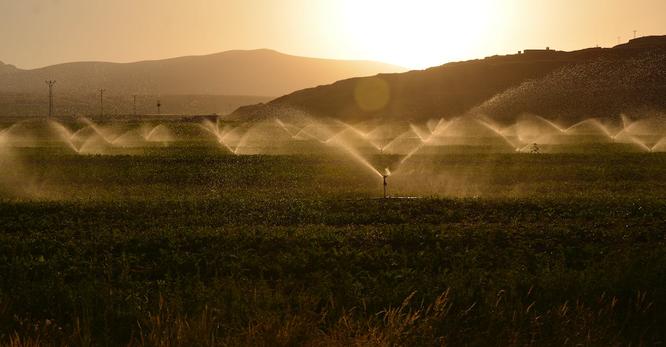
(385, 175)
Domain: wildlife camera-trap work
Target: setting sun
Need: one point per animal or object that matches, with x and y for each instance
(419, 33)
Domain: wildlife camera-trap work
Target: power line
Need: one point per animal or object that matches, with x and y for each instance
(51, 83)
(101, 102)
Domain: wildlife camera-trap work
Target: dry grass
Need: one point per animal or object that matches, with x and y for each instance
(439, 323)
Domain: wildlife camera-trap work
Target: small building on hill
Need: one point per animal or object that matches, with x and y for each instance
(539, 51)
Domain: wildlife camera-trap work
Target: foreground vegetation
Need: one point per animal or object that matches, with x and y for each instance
(188, 246)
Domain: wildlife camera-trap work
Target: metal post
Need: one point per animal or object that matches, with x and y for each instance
(50, 83)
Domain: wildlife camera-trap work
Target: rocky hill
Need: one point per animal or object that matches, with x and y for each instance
(569, 86)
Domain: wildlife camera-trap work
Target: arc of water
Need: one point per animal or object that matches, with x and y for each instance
(353, 128)
(552, 124)
(219, 135)
(338, 135)
(357, 156)
(322, 135)
(78, 132)
(422, 136)
(228, 147)
(502, 136)
(241, 142)
(409, 134)
(602, 127)
(621, 132)
(411, 153)
(153, 131)
(6, 130)
(625, 135)
(65, 135)
(285, 127)
(438, 130)
(658, 146)
(305, 132)
(100, 131)
(9, 129)
(629, 126)
(540, 138)
(626, 122)
(640, 143)
(222, 139)
(121, 140)
(209, 127)
(594, 123)
(3, 133)
(375, 137)
(433, 128)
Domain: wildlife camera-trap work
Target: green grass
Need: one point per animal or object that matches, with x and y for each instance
(190, 246)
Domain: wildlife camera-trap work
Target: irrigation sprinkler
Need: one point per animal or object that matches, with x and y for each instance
(385, 176)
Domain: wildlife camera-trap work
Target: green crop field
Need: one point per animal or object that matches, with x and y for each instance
(188, 245)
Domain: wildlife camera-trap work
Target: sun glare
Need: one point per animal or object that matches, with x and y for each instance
(418, 33)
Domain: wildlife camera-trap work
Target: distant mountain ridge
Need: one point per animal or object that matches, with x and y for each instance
(260, 72)
(570, 86)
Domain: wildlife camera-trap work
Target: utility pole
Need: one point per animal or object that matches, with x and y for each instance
(635, 34)
(101, 102)
(51, 83)
(134, 96)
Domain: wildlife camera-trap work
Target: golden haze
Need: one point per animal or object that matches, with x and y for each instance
(415, 34)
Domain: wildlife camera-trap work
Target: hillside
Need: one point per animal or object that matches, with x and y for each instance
(6, 68)
(255, 73)
(565, 85)
(601, 88)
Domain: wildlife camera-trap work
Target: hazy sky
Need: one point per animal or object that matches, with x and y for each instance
(411, 33)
